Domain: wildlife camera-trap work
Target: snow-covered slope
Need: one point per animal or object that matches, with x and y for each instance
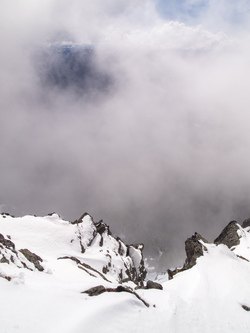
(48, 243)
(47, 265)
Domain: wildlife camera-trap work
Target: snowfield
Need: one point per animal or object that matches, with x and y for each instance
(212, 296)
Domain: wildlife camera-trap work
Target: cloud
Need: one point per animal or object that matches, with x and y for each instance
(160, 152)
(230, 16)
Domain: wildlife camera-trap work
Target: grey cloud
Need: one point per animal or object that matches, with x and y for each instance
(160, 154)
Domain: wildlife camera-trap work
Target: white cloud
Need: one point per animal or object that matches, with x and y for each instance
(164, 151)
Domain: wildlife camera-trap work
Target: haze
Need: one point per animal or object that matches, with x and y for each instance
(162, 150)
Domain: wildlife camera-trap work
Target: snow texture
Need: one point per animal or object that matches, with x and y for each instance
(212, 296)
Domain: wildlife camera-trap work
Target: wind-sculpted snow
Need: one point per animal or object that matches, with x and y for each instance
(89, 245)
(70, 277)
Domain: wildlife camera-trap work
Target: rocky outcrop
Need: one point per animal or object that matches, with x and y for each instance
(17, 258)
(98, 235)
(93, 249)
(98, 290)
(87, 268)
(95, 291)
(229, 235)
(7, 243)
(100, 253)
(153, 285)
(86, 231)
(194, 247)
(6, 214)
(246, 223)
(34, 258)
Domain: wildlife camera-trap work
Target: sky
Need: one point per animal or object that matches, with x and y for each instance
(162, 151)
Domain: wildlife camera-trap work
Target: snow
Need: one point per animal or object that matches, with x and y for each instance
(206, 298)
(86, 231)
(243, 249)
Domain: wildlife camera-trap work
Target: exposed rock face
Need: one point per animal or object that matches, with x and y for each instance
(100, 254)
(32, 257)
(246, 223)
(98, 235)
(194, 246)
(194, 249)
(7, 243)
(18, 258)
(229, 235)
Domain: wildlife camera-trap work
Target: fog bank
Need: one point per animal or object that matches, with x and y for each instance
(159, 151)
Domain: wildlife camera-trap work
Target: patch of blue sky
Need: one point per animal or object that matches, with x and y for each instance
(224, 12)
(181, 9)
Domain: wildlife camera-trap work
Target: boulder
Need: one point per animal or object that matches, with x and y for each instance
(153, 285)
(229, 235)
(95, 291)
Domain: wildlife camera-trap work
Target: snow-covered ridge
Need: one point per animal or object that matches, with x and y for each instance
(32, 243)
(71, 277)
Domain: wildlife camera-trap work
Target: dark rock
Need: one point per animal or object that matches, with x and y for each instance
(81, 218)
(194, 249)
(242, 258)
(133, 269)
(122, 247)
(229, 235)
(129, 290)
(246, 223)
(247, 308)
(4, 260)
(105, 269)
(153, 285)
(34, 258)
(122, 288)
(171, 273)
(101, 227)
(7, 214)
(95, 291)
(50, 214)
(7, 243)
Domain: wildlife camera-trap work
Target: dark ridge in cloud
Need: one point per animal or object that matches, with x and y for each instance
(147, 129)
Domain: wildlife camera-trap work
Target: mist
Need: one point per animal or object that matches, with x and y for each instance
(160, 149)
